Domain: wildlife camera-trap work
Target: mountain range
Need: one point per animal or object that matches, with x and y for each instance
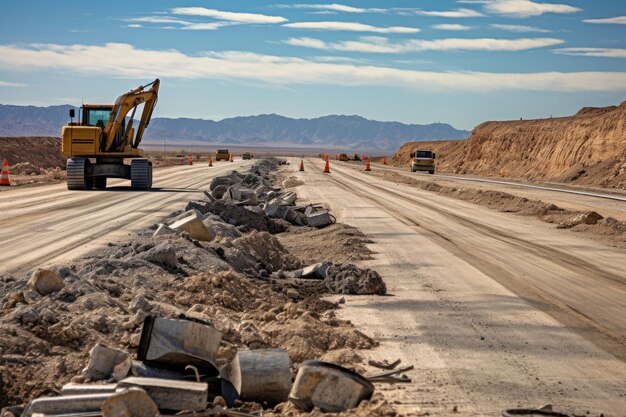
(346, 132)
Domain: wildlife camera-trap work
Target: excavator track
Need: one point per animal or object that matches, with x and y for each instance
(141, 174)
(76, 168)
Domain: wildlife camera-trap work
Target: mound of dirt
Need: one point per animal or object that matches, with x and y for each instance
(42, 152)
(587, 149)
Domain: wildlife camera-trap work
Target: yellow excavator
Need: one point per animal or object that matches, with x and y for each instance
(104, 136)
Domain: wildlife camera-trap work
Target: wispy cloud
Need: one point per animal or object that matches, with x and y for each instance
(158, 20)
(11, 85)
(524, 8)
(596, 52)
(619, 20)
(334, 7)
(229, 16)
(457, 13)
(520, 28)
(351, 26)
(451, 26)
(381, 45)
(115, 60)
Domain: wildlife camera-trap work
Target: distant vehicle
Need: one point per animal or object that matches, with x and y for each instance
(247, 155)
(356, 157)
(423, 160)
(342, 157)
(222, 155)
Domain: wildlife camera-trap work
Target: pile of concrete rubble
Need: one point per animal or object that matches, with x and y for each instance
(175, 372)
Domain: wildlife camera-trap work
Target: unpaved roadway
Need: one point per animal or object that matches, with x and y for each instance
(48, 224)
(494, 310)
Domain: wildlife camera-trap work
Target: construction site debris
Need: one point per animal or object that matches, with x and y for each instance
(316, 271)
(350, 279)
(319, 219)
(262, 375)
(134, 402)
(70, 404)
(169, 394)
(45, 281)
(83, 389)
(329, 387)
(107, 363)
(172, 342)
(191, 222)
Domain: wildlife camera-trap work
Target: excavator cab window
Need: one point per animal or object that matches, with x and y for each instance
(91, 117)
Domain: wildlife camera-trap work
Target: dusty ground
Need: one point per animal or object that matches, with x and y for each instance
(586, 149)
(495, 310)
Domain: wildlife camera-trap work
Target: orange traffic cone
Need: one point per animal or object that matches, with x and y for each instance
(210, 161)
(4, 176)
(367, 165)
(362, 157)
(231, 158)
(302, 165)
(190, 159)
(385, 161)
(327, 167)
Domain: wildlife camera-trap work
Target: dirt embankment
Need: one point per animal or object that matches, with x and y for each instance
(588, 148)
(43, 152)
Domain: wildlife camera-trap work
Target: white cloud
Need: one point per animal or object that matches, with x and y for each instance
(123, 60)
(134, 26)
(453, 27)
(457, 13)
(520, 28)
(208, 26)
(596, 52)
(351, 26)
(330, 7)
(380, 45)
(229, 16)
(12, 85)
(526, 8)
(619, 20)
(158, 20)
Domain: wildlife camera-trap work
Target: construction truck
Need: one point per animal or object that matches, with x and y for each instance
(246, 156)
(222, 155)
(103, 137)
(342, 157)
(423, 160)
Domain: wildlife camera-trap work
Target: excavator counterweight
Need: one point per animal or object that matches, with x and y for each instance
(104, 136)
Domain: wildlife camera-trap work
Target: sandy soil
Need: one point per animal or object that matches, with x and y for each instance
(495, 310)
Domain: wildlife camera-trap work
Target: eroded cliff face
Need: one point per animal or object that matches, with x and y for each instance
(588, 148)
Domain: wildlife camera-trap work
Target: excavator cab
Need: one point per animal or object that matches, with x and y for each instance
(104, 137)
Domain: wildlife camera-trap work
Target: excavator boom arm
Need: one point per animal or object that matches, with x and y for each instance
(123, 105)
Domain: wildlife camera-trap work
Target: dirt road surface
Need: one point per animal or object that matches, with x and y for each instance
(48, 224)
(494, 310)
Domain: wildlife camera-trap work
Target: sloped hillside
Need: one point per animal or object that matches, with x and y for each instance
(588, 148)
(43, 152)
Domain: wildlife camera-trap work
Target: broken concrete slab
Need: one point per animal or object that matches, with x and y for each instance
(132, 402)
(315, 271)
(179, 342)
(162, 254)
(169, 394)
(164, 230)
(261, 375)
(590, 217)
(85, 389)
(191, 222)
(70, 404)
(107, 363)
(319, 219)
(45, 281)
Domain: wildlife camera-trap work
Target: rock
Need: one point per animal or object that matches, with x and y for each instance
(191, 222)
(162, 254)
(107, 363)
(315, 271)
(350, 279)
(342, 300)
(590, 217)
(133, 402)
(27, 315)
(319, 219)
(45, 281)
(219, 191)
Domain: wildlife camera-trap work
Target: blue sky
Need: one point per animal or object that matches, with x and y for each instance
(422, 61)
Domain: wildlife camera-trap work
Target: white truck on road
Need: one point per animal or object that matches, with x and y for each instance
(422, 160)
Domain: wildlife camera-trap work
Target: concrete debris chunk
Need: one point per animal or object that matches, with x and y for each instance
(133, 402)
(139, 368)
(84, 389)
(315, 271)
(329, 387)
(169, 394)
(164, 230)
(590, 217)
(162, 254)
(45, 281)
(70, 404)
(319, 219)
(261, 375)
(179, 342)
(107, 363)
(191, 222)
